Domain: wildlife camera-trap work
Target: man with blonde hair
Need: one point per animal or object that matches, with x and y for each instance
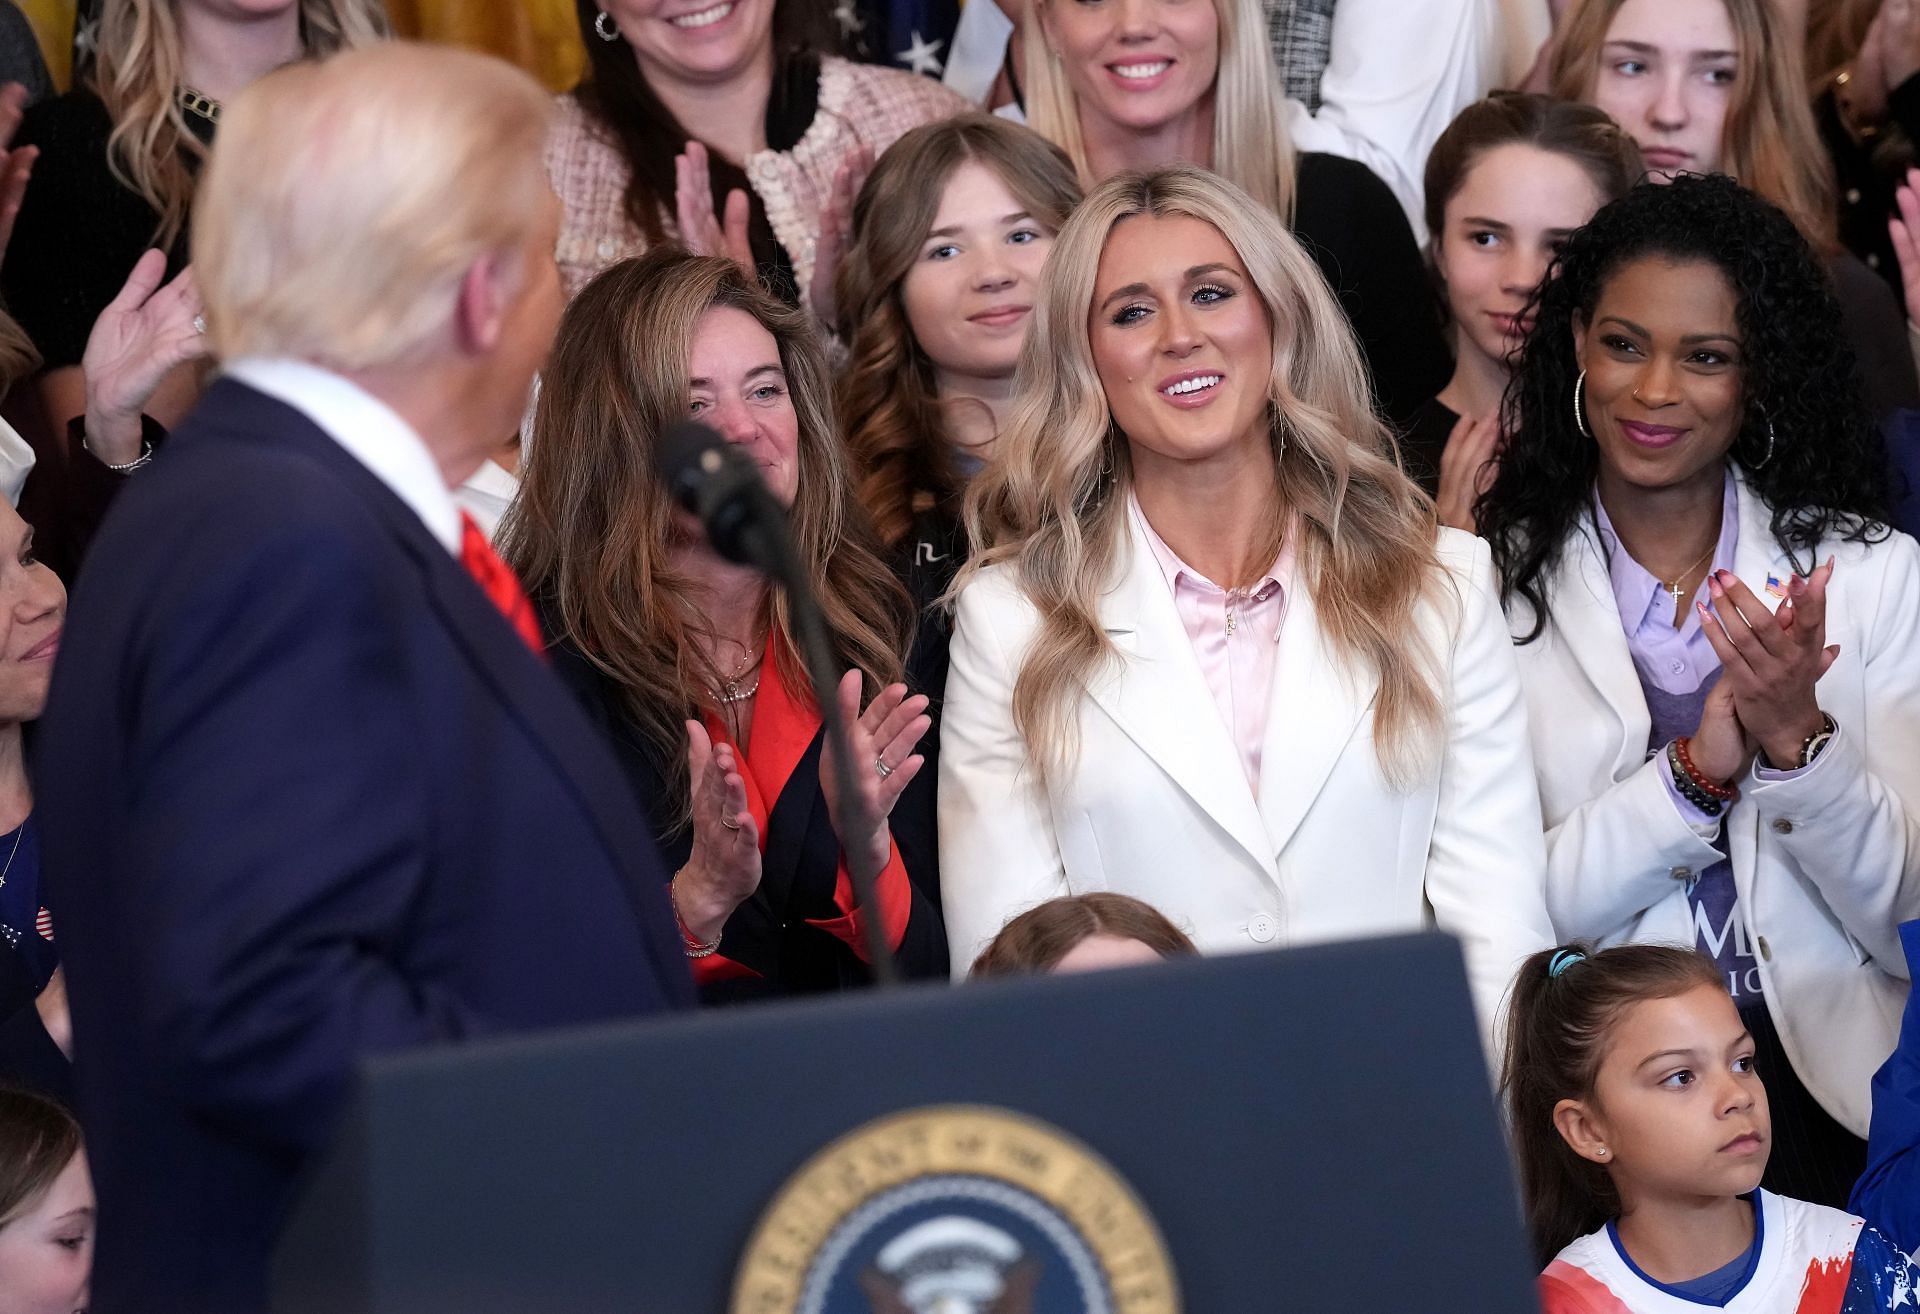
(308, 790)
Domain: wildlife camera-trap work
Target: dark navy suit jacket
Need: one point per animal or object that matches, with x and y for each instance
(306, 797)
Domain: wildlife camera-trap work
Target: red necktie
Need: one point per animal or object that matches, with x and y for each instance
(497, 580)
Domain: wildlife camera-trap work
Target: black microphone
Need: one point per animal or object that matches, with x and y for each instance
(714, 479)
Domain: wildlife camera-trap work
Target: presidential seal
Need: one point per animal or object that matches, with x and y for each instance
(956, 1209)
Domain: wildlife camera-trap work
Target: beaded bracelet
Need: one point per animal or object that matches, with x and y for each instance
(1689, 790)
(1725, 793)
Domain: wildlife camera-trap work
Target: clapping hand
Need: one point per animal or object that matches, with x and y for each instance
(884, 764)
(723, 870)
(1771, 660)
(836, 233)
(144, 334)
(1468, 467)
(16, 163)
(700, 232)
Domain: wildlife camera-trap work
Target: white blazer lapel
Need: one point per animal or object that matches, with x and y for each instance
(1316, 706)
(1160, 700)
(1586, 622)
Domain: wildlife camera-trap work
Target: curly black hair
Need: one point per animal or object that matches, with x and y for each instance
(1827, 472)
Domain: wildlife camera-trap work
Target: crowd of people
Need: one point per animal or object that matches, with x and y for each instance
(1456, 471)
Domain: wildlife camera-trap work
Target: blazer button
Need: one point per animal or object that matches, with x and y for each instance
(1766, 950)
(1262, 929)
(1782, 826)
(1681, 873)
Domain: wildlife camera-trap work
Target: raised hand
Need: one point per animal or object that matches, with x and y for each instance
(16, 165)
(1468, 467)
(1904, 229)
(883, 736)
(145, 333)
(700, 232)
(723, 870)
(1772, 661)
(836, 233)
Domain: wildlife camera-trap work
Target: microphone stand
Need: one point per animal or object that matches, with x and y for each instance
(774, 551)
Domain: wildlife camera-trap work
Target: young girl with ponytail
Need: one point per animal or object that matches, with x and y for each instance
(1642, 1130)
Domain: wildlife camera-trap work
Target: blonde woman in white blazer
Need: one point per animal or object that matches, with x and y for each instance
(1330, 741)
(1691, 446)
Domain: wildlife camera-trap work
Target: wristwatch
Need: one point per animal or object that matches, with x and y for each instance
(1818, 740)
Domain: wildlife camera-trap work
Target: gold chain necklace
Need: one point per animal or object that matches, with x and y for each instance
(199, 104)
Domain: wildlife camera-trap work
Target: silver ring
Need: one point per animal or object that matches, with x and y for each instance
(728, 824)
(199, 323)
(880, 765)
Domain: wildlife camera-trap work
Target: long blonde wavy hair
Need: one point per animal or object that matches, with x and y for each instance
(895, 426)
(592, 533)
(140, 65)
(1251, 145)
(1770, 144)
(1052, 507)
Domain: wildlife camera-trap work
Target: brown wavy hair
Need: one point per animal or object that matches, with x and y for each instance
(140, 64)
(887, 391)
(1039, 938)
(1770, 143)
(591, 533)
(1052, 507)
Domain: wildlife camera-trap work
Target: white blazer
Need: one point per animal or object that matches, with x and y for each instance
(1157, 805)
(1826, 864)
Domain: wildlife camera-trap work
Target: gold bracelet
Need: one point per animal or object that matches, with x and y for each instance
(690, 944)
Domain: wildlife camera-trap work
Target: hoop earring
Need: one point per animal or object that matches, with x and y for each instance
(1579, 412)
(603, 27)
(1761, 464)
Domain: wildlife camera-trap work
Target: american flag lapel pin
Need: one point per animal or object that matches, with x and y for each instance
(1775, 587)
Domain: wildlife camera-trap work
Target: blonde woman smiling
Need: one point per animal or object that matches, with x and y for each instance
(1212, 651)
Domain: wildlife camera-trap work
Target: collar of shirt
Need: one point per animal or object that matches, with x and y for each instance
(1196, 597)
(1643, 600)
(370, 431)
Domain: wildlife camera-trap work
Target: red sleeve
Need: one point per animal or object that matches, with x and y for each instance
(716, 967)
(892, 890)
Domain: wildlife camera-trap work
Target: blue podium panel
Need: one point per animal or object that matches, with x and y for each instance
(1302, 1130)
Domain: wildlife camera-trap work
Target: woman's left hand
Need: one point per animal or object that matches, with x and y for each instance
(885, 733)
(1772, 658)
(836, 234)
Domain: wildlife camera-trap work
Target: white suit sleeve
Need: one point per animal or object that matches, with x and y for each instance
(1849, 820)
(998, 855)
(1486, 861)
(1396, 75)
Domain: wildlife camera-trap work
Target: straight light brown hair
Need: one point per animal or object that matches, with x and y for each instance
(1036, 940)
(591, 533)
(38, 1139)
(1770, 143)
(887, 392)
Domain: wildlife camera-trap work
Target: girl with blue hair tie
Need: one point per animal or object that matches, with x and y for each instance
(1642, 1129)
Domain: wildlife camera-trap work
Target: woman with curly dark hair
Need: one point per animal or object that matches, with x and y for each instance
(1717, 634)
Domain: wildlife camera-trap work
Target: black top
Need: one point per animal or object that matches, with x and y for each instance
(1868, 172)
(769, 932)
(1877, 332)
(1356, 231)
(931, 555)
(1422, 442)
(80, 231)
